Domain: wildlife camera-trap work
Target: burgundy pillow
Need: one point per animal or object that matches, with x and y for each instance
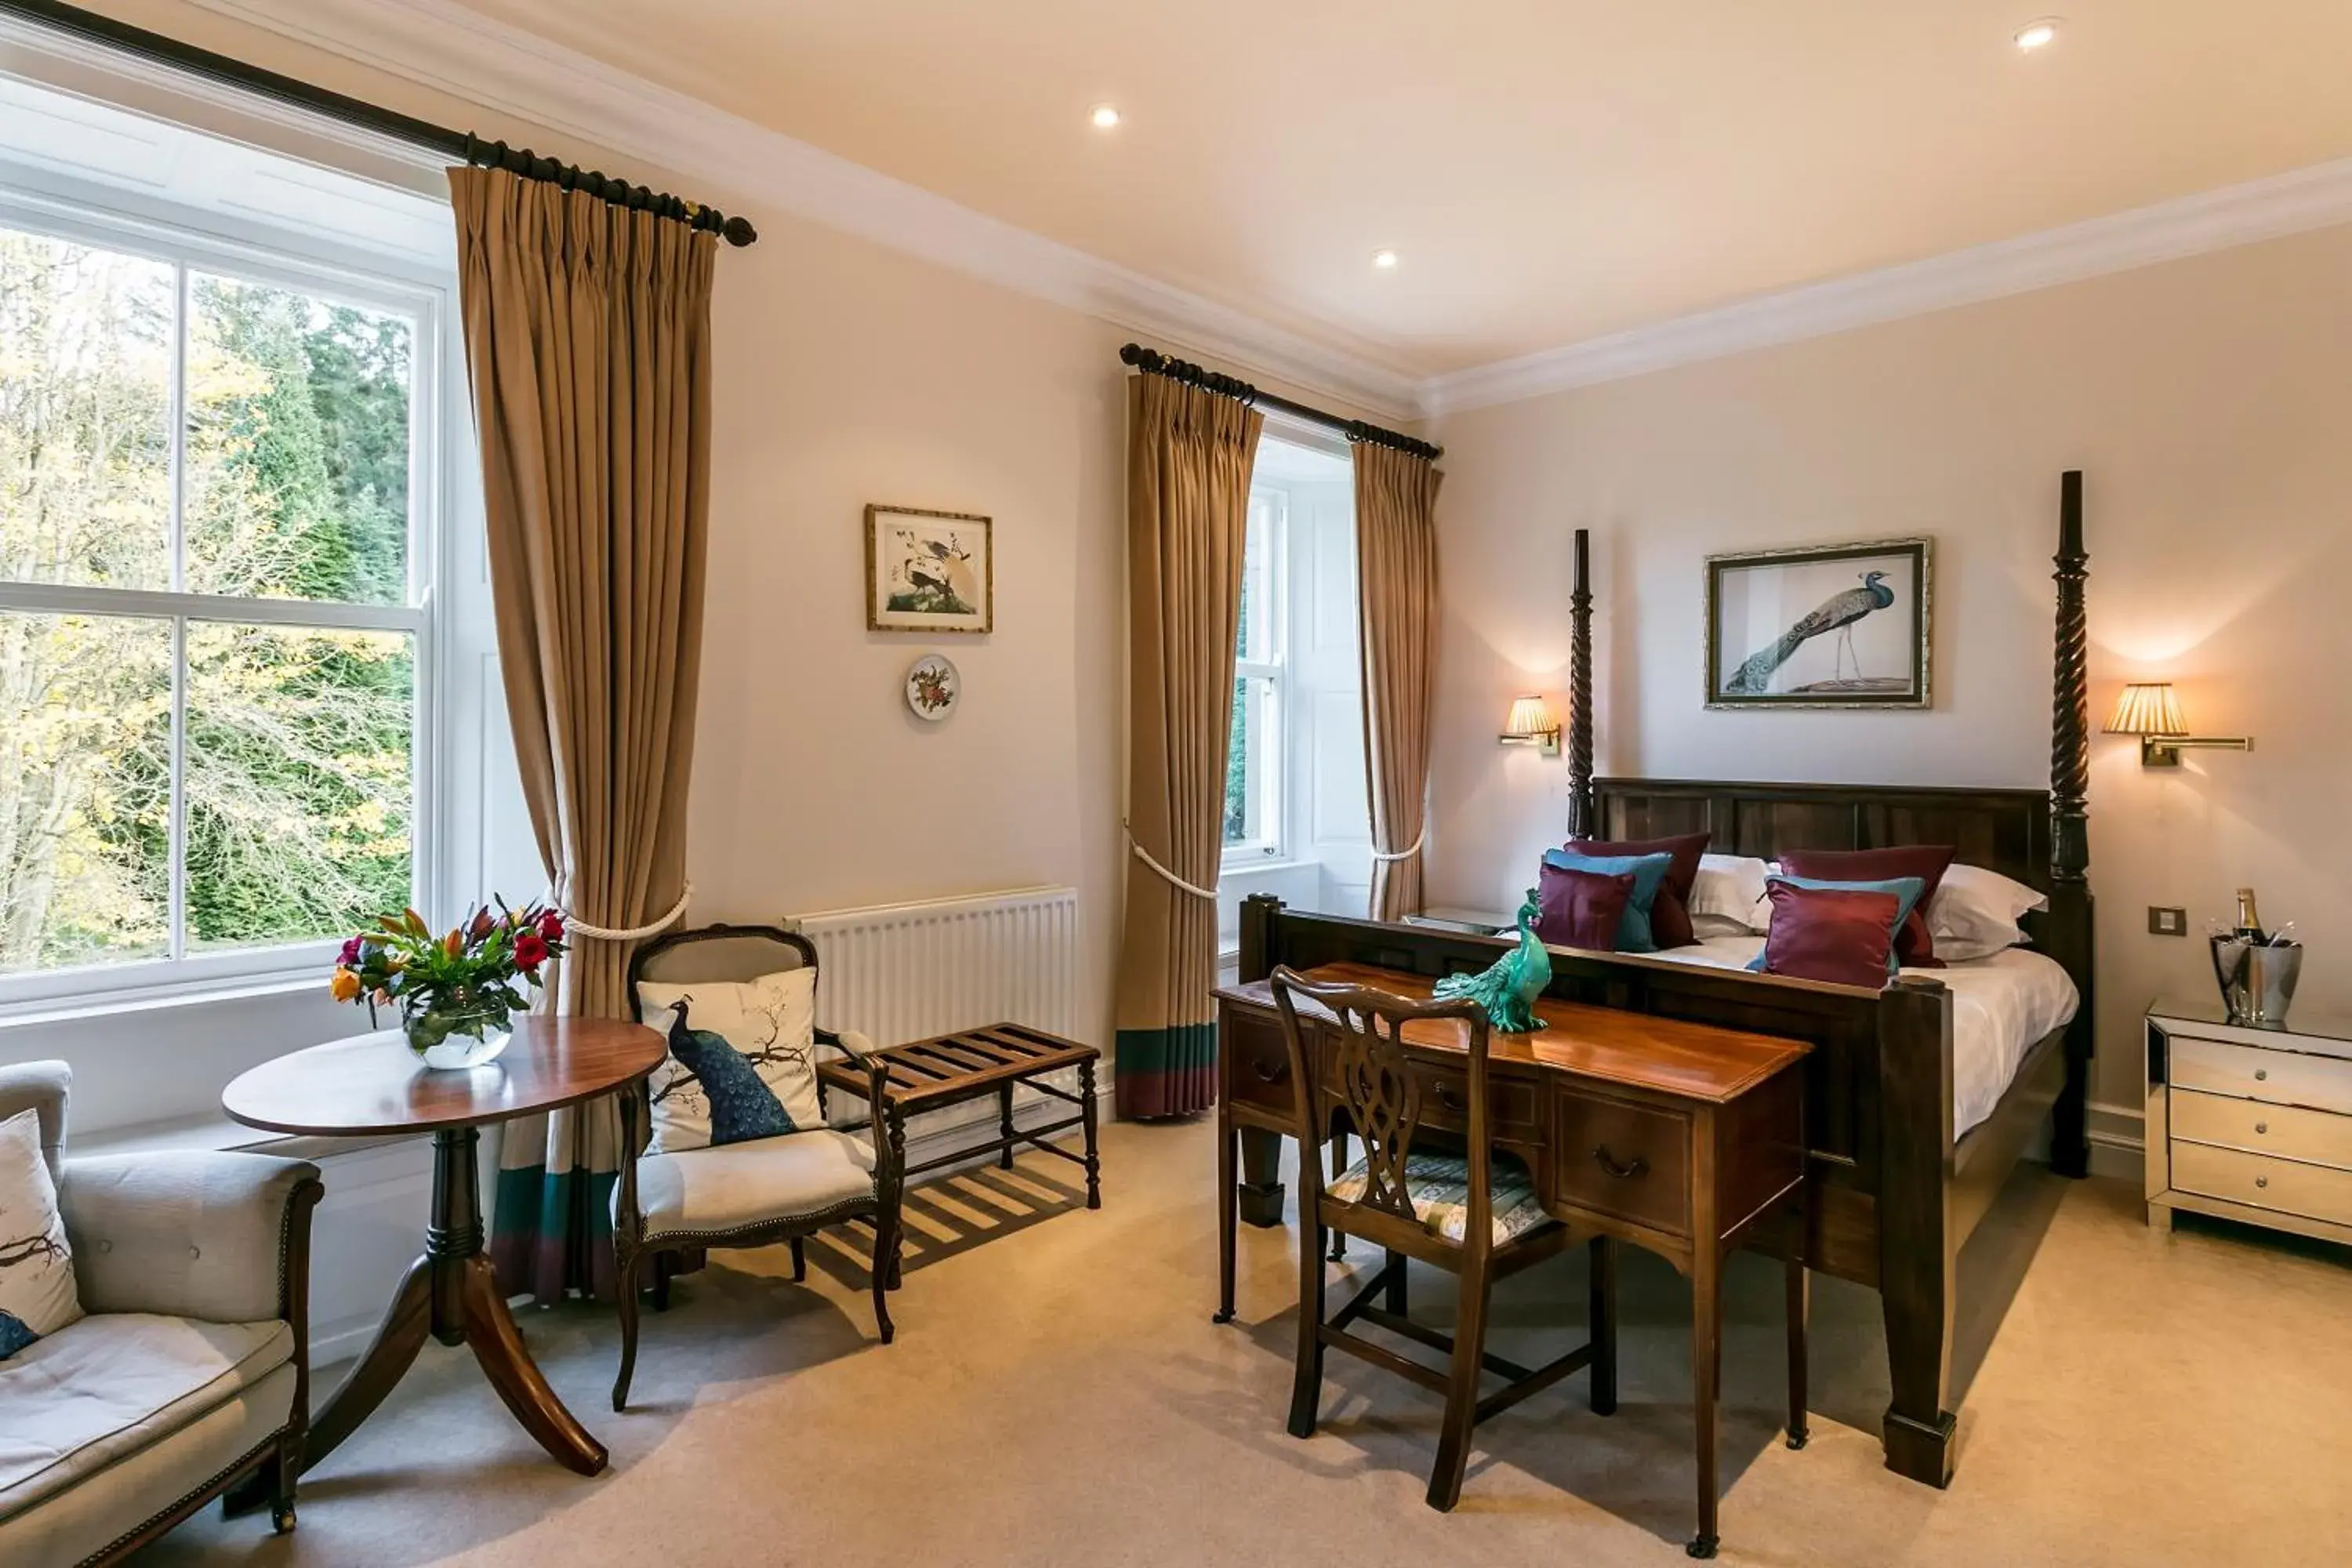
(1915, 946)
(1670, 921)
(1581, 908)
(1837, 934)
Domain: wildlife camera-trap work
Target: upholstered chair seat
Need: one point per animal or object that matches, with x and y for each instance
(1441, 1194)
(709, 1192)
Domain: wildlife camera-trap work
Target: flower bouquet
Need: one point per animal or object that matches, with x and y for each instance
(457, 993)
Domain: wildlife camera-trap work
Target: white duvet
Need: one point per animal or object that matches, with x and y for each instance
(2001, 1007)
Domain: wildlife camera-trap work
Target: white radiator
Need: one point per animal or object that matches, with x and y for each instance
(906, 972)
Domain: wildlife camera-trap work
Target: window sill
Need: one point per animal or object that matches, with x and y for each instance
(86, 1006)
(218, 1135)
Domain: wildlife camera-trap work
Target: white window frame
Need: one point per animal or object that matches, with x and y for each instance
(268, 256)
(1272, 742)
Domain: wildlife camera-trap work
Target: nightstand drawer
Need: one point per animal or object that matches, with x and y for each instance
(2249, 1072)
(2284, 1131)
(2315, 1192)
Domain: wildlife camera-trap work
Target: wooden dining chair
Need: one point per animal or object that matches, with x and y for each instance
(1473, 1214)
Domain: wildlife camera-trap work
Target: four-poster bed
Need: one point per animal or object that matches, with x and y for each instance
(1893, 1190)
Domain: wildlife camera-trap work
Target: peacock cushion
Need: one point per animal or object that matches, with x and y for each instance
(1634, 932)
(38, 1295)
(742, 1060)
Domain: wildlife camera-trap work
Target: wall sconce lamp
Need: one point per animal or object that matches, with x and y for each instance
(1531, 723)
(2151, 711)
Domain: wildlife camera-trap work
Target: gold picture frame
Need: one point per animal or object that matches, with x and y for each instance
(929, 571)
(1760, 603)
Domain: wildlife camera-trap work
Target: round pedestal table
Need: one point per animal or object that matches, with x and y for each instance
(373, 1085)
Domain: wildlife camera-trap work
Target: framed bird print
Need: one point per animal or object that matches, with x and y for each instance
(1836, 626)
(928, 571)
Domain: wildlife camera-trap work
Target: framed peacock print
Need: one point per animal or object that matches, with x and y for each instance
(1833, 626)
(929, 571)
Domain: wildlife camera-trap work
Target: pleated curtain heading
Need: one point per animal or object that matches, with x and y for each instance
(1190, 455)
(588, 343)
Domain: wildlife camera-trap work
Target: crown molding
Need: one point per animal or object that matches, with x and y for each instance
(451, 49)
(2291, 202)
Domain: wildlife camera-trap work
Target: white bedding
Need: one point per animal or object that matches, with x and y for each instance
(2001, 1007)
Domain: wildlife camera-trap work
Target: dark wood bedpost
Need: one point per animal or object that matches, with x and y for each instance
(1917, 1248)
(1581, 813)
(2070, 935)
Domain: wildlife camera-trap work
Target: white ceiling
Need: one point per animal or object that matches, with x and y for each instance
(1550, 170)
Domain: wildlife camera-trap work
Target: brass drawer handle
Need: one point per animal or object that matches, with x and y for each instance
(1622, 1173)
(1269, 1072)
(2262, 1180)
(1447, 1098)
(2262, 1075)
(2261, 1126)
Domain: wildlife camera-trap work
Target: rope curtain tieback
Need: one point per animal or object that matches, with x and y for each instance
(1411, 850)
(632, 934)
(1171, 878)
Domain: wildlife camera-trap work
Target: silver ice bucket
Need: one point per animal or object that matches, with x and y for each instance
(2257, 980)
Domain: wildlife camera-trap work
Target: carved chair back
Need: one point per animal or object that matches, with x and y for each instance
(1380, 1093)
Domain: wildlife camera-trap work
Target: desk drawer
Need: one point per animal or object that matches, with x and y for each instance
(2315, 1136)
(1619, 1158)
(2251, 1072)
(1446, 1102)
(2315, 1191)
(1256, 1061)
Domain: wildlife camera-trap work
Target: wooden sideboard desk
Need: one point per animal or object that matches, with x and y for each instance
(1682, 1138)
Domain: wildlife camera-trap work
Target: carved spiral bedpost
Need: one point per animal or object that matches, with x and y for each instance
(2070, 699)
(2069, 935)
(1581, 816)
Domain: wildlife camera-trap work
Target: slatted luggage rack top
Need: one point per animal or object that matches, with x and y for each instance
(971, 1064)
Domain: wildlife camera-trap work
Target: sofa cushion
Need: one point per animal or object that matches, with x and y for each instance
(36, 1273)
(78, 1399)
(727, 1187)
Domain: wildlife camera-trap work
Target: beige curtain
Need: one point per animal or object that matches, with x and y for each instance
(1396, 566)
(588, 339)
(1189, 455)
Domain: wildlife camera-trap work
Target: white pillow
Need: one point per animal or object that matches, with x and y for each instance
(1731, 889)
(770, 1021)
(37, 1278)
(1976, 913)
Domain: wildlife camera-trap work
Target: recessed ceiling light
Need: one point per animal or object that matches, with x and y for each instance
(2038, 35)
(1385, 260)
(1104, 115)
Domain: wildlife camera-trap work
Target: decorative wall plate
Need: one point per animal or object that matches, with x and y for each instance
(933, 688)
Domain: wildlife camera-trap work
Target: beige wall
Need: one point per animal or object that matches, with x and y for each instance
(2208, 401)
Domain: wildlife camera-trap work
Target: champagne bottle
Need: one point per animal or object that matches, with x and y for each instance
(2250, 923)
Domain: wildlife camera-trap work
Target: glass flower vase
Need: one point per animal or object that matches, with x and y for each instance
(453, 1038)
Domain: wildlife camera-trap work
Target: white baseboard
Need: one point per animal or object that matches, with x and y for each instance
(2118, 1145)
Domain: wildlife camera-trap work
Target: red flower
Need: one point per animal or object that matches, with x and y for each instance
(351, 953)
(530, 952)
(551, 925)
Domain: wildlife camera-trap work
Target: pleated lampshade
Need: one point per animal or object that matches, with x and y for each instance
(2149, 707)
(1531, 715)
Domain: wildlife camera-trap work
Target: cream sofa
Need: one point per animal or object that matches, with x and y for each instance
(189, 1375)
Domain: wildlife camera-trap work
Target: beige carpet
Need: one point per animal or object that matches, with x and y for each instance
(1057, 1395)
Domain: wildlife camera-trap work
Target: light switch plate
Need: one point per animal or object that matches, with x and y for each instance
(2163, 922)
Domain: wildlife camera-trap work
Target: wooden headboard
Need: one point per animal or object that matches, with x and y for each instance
(2004, 830)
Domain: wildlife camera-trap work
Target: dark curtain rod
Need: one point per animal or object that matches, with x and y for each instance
(458, 146)
(1152, 362)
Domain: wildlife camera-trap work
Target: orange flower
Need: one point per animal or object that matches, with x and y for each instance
(344, 986)
(454, 943)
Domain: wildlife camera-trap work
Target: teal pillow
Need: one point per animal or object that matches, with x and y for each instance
(1906, 890)
(1649, 873)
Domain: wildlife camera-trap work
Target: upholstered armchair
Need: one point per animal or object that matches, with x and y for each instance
(188, 1376)
(669, 1206)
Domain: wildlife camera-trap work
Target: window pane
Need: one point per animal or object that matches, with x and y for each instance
(85, 415)
(296, 446)
(1251, 814)
(298, 781)
(1237, 769)
(1254, 641)
(85, 790)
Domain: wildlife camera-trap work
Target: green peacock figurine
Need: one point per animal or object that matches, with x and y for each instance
(1508, 987)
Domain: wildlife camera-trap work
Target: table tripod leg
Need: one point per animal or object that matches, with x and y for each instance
(397, 1340)
(498, 1345)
